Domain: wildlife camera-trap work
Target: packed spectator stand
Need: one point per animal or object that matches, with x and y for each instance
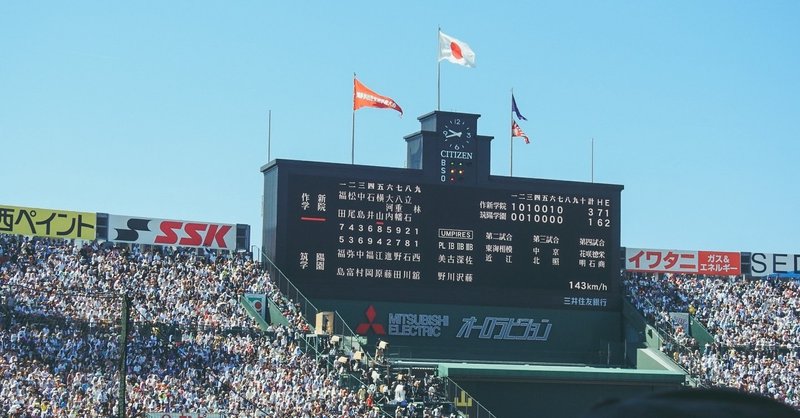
(191, 346)
(754, 323)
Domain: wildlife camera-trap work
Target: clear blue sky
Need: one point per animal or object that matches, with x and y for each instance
(160, 108)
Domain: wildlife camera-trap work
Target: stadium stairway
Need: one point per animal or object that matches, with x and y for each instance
(699, 332)
(351, 344)
(644, 342)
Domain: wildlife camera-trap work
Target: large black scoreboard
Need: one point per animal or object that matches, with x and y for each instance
(443, 230)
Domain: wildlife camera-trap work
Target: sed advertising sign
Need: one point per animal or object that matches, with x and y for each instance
(764, 264)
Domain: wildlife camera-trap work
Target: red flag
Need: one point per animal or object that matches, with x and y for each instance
(517, 131)
(364, 97)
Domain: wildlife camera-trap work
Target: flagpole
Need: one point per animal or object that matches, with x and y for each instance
(438, 71)
(353, 131)
(592, 159)
(269, 136)
(438, 85)
(511, 165)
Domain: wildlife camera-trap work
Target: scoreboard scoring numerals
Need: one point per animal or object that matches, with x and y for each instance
(599, 217)
(421, 242)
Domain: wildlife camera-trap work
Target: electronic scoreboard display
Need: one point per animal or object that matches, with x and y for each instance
(517, 243)
(443, 230)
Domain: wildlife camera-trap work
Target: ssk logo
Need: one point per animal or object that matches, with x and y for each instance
(364, 327)
(192, 237)
(171, 232)
(131, 234)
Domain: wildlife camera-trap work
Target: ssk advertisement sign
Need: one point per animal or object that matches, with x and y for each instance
(170, 232)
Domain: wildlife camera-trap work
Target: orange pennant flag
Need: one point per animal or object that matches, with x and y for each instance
(364, 97)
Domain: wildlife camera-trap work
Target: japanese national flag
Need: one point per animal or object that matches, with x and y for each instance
(455, 51)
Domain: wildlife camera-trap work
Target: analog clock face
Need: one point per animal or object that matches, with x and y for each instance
(457, 134)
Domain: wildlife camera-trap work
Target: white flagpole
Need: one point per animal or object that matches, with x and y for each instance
(438, 71)
(269, 136)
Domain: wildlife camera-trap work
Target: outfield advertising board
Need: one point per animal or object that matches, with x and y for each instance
(714, 263)
(52, 223)
(484, 333)
(764, 264)
(155, 231)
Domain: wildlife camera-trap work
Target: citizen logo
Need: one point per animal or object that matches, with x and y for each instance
(459, 155)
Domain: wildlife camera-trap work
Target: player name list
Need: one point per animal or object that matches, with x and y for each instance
(432, 233)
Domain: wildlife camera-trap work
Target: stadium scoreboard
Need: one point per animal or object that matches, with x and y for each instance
(443, 230)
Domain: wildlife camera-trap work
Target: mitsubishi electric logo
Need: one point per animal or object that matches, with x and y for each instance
(417, 325)
(364, 327)
(405, 324)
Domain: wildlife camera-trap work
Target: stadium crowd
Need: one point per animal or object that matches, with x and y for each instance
(191, 346)
(754, 322)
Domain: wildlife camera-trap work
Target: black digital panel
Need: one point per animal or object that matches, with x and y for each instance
(517, 244)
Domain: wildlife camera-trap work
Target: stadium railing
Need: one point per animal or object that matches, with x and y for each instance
(462, 402)
(666, 332)
(469, 406)
(308, 311)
